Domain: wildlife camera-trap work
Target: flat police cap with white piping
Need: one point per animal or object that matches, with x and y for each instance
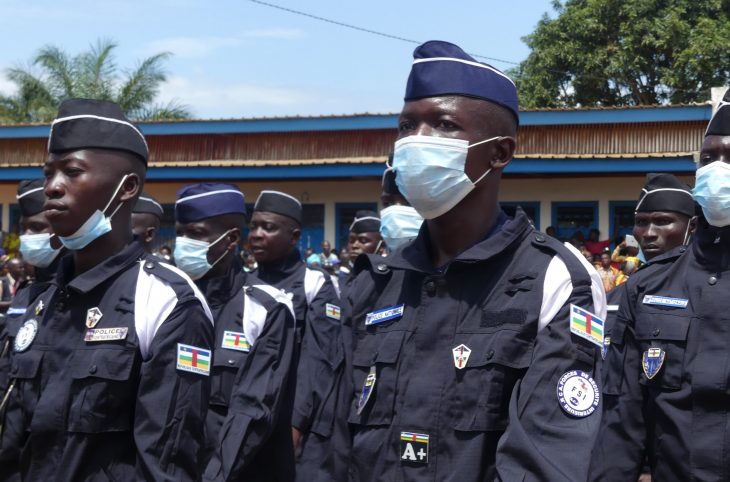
(442, 69)
(279, 203)
(720, 123)
(31, 197)
(146, 204)
(95, 124)
(204, 200)
(664, 192)
(365, 222)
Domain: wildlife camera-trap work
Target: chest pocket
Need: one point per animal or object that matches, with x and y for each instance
(482, 389)
(380, 350)
(25, 369)
(226, 364)
(103, 393)
(668, 332)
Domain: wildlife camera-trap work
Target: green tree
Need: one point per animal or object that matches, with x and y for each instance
(93, 74)
(626, 52)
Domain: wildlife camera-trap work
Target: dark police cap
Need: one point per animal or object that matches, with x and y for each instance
(146, 204)
(204, 200)
(31, 197)
(95, 124)
(279, 203)
(365, 222)
(720, 123)
(441, 69)
(664, 192)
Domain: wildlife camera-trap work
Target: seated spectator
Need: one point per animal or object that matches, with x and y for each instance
(594, 245)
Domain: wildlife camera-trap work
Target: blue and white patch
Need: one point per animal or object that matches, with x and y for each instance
(26, 335)
(367, 390)
(605, 347)
(652, 361)
(665, 301)
(384, 314)
(578, 394)
(12, 311)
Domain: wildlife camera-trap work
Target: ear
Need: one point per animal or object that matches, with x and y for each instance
(692, 224)
(130, 187)
(149, 234)
(234, 237)
(504, 151)
(296, 233)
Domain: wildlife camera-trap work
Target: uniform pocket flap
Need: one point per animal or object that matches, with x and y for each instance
(662, 326)
(503, 348)
(110, 364)
(379, 348)
(223, 357)
(26, 365)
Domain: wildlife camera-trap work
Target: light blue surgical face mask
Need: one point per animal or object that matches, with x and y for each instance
(95, 227)
(430, 172)
(399, 225)
(712, 192)
(191, 255)
(36, 249)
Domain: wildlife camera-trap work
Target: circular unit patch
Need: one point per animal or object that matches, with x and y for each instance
(578, 394)
(25, 335)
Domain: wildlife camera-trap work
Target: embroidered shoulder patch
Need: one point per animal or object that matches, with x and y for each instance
(193, 359)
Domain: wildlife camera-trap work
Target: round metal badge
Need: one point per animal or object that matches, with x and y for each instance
(25, 335)
(578, 394)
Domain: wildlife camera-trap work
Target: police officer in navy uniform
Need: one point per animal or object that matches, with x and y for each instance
(36, 249)
(364, 237)
(146, 218)
(466, 364)
(275, 229)
(110, 368)
(666, 392)
(248, 427)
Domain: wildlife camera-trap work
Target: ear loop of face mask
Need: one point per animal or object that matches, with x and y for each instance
(687, 234)
(224, 253)
(116, 191)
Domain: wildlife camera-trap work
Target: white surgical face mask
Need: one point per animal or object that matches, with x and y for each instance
(191, 255)
(398, 225)
(96, 226)
(712, 192)
(430, 172)
(36, 249)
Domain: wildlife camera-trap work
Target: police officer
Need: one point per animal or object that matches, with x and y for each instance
(364, 237)
(146, 217)
(666, 392)
(248, 427)
(36, 249)
(399, 221)
(110, 367)
(475, 352)
(275, 229)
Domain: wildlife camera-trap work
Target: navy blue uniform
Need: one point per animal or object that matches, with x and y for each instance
(433, 413)
(321, 360)
(677, 310)
(249, 420)
(124, 399)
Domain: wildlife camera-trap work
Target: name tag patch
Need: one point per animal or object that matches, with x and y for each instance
(578, 394)
(665, 301)
(414, 447)
(332, 311)
(193, 359)
(234, 340)
(385, 314)
(16, 311)
(105, 334)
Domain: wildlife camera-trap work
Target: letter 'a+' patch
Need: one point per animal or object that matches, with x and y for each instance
(414, 447)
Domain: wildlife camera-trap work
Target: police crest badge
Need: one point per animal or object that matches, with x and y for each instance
(605, 347)
(652, 361)
(461, 356)
(367, 390)
(93, 315)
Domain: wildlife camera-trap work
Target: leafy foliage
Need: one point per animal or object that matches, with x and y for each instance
(93, 75)
(626, 52)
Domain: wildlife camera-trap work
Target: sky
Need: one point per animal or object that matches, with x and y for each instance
(242, 59)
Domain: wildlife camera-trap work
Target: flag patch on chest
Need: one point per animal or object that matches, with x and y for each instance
(234, 340)
(586, 325)
(193, 359)
(414, 447)
(332, 311)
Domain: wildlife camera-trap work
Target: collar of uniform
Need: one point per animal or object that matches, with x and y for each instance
(416, 256)
(221, 289)
(100, 273)
(712, 245)
(281, 268)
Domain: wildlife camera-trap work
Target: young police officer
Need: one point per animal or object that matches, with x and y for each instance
(110, 367)
(248, 427)
(275, 230)
(468, 363)
(146, 217)
(666, 390)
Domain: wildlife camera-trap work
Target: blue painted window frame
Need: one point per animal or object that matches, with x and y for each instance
(612, 205)
(560, 233)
